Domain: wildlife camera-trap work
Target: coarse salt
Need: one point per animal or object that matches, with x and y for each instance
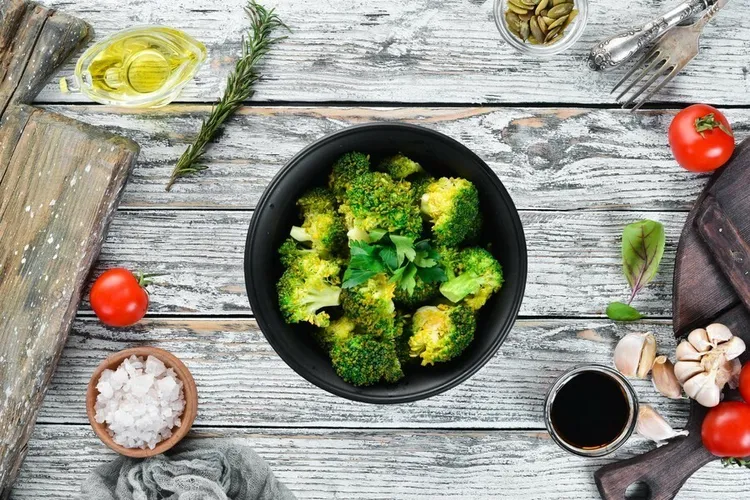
(141, 402)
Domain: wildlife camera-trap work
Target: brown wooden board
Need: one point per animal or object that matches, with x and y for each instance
(34, 42)
(711, 284)
(60, 181)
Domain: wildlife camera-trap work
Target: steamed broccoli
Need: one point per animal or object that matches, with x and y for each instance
(370, 305)
(476, 276)
(452, 205)
(423, 293)
(366, 359)
(401, 339)
(290, 251)
(419, 184)
(399, 166)
(375, 201)
(345, 170)
(339, 330)
(440, 333)
(323, 226)
(309, 284)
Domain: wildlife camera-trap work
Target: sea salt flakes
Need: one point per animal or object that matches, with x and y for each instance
(141, 402)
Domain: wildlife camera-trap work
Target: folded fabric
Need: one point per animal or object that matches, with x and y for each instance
(196, 469)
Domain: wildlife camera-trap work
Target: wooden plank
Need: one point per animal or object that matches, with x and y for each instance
(575, 266)
(396, 464)
(34, 42)
(421, 51)
(547, 158)
(59, 190)
(242, 382)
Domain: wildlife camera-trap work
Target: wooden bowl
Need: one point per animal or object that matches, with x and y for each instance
(190, 393)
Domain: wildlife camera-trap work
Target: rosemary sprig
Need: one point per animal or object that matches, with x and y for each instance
(240, 85)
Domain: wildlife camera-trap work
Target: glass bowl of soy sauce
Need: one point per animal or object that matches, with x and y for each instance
(591, 410)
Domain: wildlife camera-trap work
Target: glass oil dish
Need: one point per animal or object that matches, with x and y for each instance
(138, 67)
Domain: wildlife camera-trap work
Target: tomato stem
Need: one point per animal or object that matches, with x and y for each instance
(740, 462)
(709, 122)
(144, 279)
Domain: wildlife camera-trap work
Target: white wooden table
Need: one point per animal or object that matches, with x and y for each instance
(577, 167)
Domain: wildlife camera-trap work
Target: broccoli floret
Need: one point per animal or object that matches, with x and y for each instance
(375, 201)
(339, 330)
(476, 276)
(399, 166)
(423, 293)
(366, 359)
(452, 205)
(347, 168)
(290, 251)
(309, 284)
(323, 226)
(440, 333)
(401, 340)
(370, 305)
(419, 184)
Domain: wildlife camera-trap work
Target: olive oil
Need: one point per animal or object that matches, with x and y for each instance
(140, 67)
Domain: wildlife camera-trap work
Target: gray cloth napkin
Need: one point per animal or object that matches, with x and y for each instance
(197, 469)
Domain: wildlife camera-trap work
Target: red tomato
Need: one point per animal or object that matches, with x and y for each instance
(745, 382)
(119, 298)
(701, 138)
(726, 429)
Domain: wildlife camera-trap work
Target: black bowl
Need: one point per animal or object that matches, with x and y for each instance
(276, 213)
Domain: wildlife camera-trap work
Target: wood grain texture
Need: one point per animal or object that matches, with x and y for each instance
(446, 51)
(59, 187)
(241, 380)
(388, 464)
(575, 265)
(34, 42)
(561, 159)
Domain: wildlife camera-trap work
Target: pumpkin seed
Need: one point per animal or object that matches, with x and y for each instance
(512, 18)
(551, 34)
(560, 10)
(524, 30)
(535, 29)
(526, 17)
(519, 4)
(544, 12)
(558, 22)
(516, 9)
(548, 20)
(558, 2)
(571, 16)
(529, 4)
(541, 24)
(533, 41)
(542, 5)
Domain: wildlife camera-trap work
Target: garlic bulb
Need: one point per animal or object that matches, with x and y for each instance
(652, 426)
(706, 362)
(635, 354)
(664, 379)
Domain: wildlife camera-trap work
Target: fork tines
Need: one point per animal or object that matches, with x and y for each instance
(657, 62)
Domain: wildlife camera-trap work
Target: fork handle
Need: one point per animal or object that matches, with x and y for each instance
(617, 49)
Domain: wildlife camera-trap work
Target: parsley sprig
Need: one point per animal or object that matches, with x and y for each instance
(397, 256)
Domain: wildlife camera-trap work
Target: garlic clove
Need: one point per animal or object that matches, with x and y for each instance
(683, 370)
(718, 333)
(664, 379)
(699, 339)
(635, 354)
(702, 388)
(686, 352)
(734, 379)
(652, 426)
(729, 373)
(733, 348)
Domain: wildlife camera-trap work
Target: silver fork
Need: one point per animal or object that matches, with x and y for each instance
(667, 58)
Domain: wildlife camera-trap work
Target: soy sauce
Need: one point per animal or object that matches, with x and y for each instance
(590, 411)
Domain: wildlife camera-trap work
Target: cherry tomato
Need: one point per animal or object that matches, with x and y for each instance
(745, 382)
(726, 429)
(119, 298)
(701, 138)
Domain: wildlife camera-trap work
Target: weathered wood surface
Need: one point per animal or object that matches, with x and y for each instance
(547, 158)
(241, 381)
(575, 264)
(446, 51)
(34, 42)
(386, 464)
(59, 185)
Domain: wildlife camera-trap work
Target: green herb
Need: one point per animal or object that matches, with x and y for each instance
(709, 122)
(739, 462)
(240, 85)
(642, 249)
(397, 256)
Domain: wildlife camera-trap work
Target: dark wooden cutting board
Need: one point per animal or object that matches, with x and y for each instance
(711, 284)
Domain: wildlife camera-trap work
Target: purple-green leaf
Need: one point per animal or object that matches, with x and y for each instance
(642, 249)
